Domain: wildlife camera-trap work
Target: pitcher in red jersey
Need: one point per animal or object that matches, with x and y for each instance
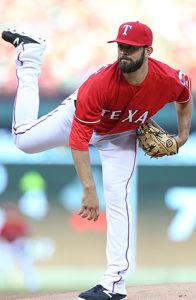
(104, 112)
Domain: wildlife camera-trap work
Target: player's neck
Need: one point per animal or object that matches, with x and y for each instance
(138, 76)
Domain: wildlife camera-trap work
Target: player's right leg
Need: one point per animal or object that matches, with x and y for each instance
(31, 134)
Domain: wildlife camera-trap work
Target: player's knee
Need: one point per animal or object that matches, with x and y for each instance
(26, 149)
(22, 145)
(116, 192)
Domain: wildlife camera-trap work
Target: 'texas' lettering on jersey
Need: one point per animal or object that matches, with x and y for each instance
(131, 116)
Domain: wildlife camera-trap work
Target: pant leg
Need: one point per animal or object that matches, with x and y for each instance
(31, 134)
(25, 262)
(118, 157)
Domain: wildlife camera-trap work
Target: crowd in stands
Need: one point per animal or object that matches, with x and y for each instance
(77, 32)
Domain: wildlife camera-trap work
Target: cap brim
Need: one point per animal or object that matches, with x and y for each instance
(126, 42)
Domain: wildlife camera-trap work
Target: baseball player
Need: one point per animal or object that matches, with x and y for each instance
(13, 242)
(104, 112)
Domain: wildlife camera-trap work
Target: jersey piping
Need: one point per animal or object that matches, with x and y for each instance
(87, 122)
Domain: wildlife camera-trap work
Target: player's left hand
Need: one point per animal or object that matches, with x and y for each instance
(155, 141)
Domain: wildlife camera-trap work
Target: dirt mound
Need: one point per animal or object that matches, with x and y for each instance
(178, 291)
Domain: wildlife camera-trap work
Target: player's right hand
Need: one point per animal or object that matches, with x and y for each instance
(90, 204)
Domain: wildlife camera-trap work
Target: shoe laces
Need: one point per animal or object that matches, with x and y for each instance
(97, 288)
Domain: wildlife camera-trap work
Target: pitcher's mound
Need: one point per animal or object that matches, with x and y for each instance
(178, 291)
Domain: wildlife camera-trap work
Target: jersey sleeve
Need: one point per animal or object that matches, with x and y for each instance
(88, 112)
(80, 135)
(183, 88)
(89, 102)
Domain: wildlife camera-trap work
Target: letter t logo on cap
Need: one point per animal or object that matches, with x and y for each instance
(126, 29)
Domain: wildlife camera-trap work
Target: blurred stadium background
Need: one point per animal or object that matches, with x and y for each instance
(60, 251)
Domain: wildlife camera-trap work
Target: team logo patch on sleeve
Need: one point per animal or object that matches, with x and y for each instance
(184, 79)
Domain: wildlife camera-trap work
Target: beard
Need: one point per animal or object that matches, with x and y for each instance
(131, 66)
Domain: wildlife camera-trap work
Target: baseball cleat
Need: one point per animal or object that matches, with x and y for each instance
(100, 293)
(15, 38)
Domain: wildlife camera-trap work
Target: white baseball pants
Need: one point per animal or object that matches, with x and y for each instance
(117, 151)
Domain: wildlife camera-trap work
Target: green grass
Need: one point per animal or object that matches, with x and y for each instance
(64, 279)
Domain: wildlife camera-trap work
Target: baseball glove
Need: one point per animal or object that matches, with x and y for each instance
(155, 141)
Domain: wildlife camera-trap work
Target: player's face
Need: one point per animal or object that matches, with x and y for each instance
(130, 58)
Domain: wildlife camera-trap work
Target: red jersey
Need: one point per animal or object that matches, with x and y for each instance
(13, 230)
(108, 104)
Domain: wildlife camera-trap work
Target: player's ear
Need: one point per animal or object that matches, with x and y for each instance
(148, 51)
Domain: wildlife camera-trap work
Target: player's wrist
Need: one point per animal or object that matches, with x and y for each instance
(89, 186)
(181, 140)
